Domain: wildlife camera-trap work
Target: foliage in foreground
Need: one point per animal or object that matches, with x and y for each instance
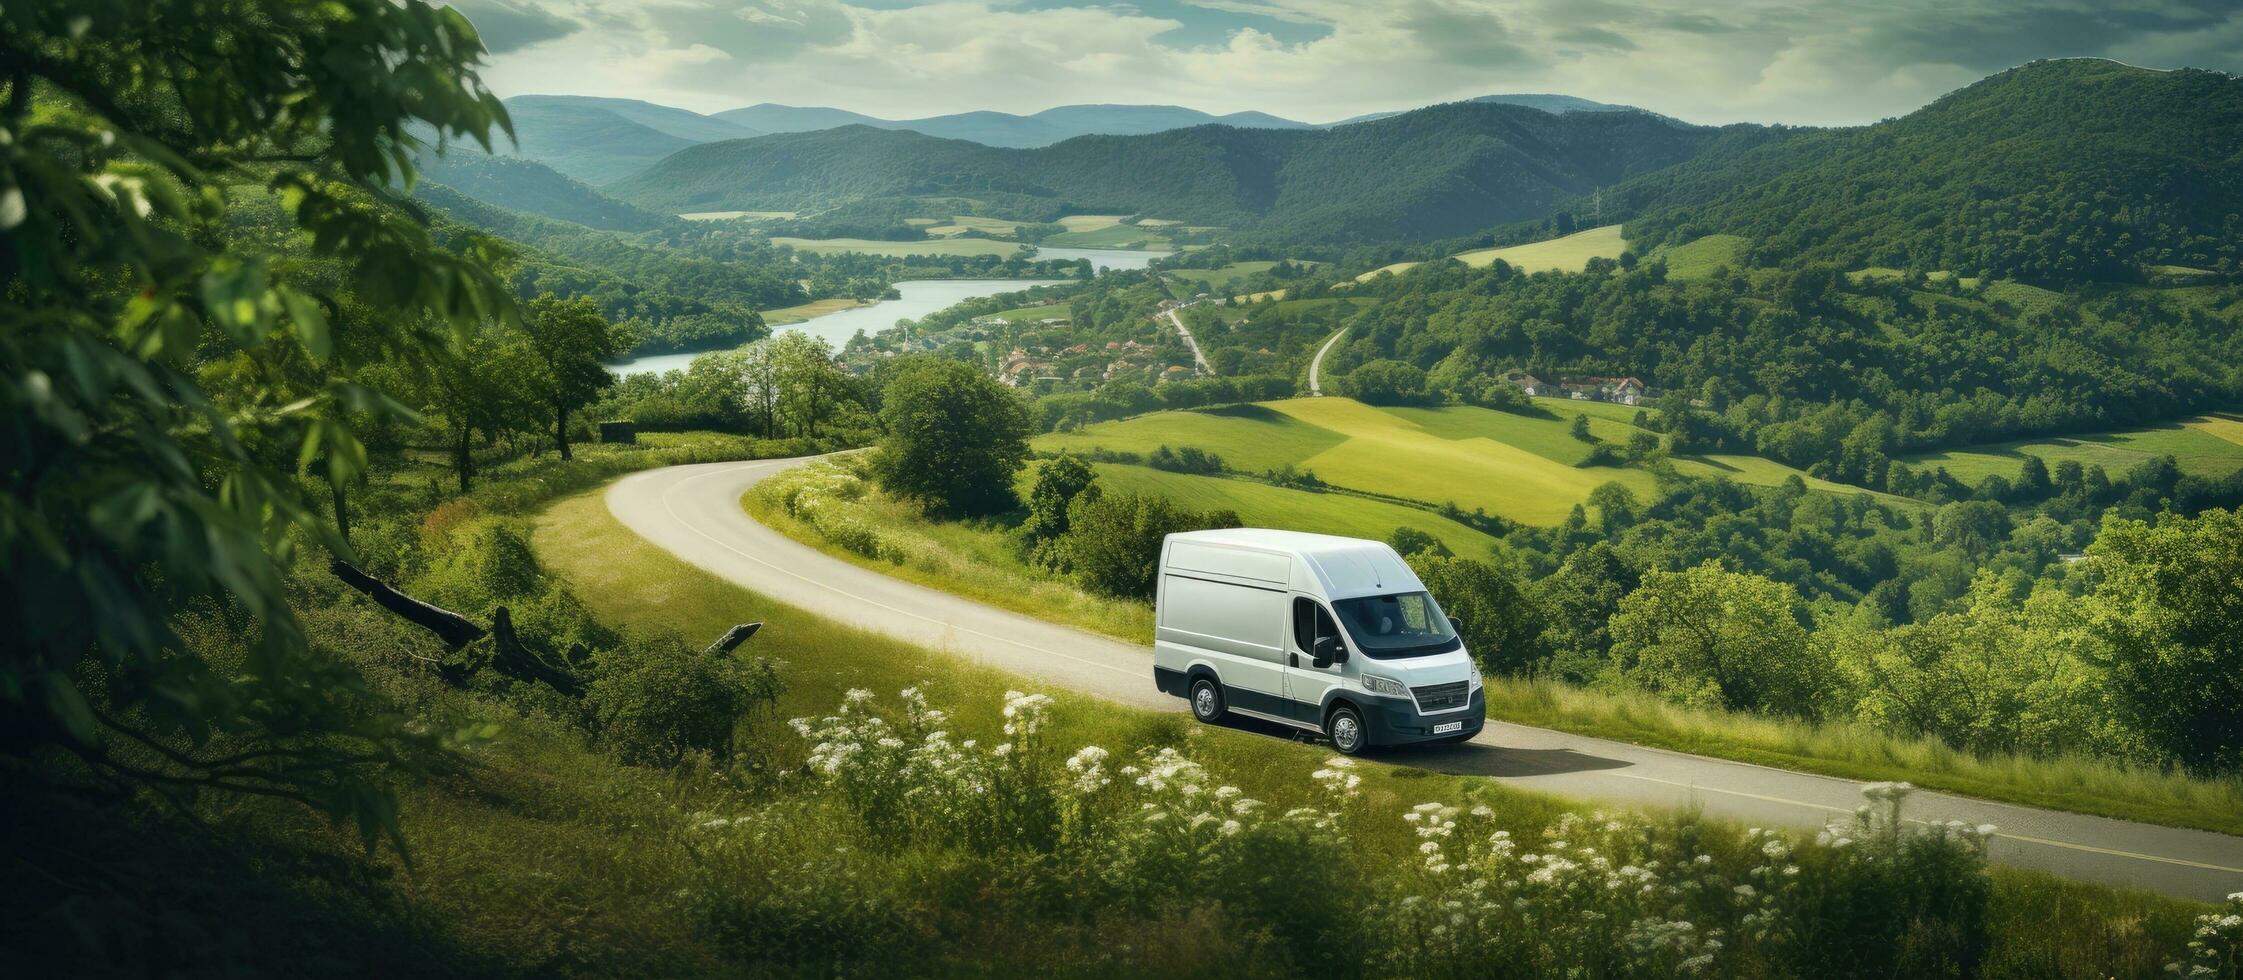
(1088, 833)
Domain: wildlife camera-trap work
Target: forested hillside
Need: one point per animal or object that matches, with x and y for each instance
(2054, 172)
(520, 184)
(1436, 172)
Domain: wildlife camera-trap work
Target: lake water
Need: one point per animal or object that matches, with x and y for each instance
(920, 297)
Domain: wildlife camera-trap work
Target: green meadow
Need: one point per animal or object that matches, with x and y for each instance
(939, 246)
(1698, 258)
(2210, 445)
(1525, 468)
(1568, 254)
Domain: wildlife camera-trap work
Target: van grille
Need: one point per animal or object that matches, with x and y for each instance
(1441, 697)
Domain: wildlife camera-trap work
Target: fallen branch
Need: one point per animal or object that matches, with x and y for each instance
(732, 639)
(455, 630)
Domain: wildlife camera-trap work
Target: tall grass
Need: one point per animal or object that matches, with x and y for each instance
(1855, 751)
(978, 561)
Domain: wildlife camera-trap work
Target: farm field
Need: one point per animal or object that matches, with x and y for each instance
(963, 246)
(729, 215)
(2210, 444)
(1219, 278)
(1111, 236)
(815, 308)
(1570, 253)
(1263, 505)
(1516, 466)
(1698, 258)
(1020, 313)
(961, 223)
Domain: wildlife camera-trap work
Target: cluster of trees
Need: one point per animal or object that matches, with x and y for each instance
(1109, 542)
(2130, 653)
(789, 386)
(1808, 366)
(2020, 176)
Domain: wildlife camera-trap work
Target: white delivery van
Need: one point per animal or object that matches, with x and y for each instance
(1329, 634)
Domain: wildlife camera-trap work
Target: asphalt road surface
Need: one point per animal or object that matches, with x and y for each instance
(694, 512)
(1316, 367)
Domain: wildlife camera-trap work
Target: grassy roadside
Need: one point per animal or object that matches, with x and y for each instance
(978, 562)
(2043, 926)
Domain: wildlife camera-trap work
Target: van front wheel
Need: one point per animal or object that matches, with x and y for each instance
(1207, 700)
(1345, 729)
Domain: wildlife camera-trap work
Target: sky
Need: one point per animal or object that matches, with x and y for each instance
(1814, 62)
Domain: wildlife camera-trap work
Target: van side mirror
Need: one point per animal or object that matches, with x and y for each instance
(1329, 650)
(1457, 625)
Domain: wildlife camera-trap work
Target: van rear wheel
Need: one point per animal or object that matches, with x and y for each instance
(1207, 700)
(1345, 729)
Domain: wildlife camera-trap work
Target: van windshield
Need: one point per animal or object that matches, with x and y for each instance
(1406, 624)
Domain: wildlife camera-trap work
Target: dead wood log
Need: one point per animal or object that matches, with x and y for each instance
(517, 661)
(732, 639)
(455, 630)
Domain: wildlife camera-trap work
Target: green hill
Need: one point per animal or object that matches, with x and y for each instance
(532, 187)
(1438, 172)
(2056, 172)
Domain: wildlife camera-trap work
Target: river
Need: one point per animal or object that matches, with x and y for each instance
(919, 298)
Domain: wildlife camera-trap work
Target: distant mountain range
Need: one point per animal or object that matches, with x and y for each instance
(599, 140)
(1435, 172)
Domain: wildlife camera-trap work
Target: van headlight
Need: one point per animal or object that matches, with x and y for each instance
(1384, 685)
(1476, 682)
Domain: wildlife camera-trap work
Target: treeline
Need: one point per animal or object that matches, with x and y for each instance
(1808, 366)
(2117, 655)
(2056, 172)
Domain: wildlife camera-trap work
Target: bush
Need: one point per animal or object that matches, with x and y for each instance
(1388, 383)
(954, 439)
(1113, 540)
(1190, 459)
(657, 699)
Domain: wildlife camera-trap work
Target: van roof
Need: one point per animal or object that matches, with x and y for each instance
(1341, 567)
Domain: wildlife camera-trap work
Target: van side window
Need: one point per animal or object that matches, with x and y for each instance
(1309, 622)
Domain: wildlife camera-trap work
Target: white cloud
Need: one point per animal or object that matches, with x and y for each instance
(1805, 61)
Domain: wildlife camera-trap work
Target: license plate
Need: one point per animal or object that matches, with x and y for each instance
(1447, 727)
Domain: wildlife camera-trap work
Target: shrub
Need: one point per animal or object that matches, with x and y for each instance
(1113, 541)
(2215, 951)
(1190, 459)
(954, 438)
(658, 699)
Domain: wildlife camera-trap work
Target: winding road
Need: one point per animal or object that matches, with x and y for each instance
(1199, 360)
(1316, 366)
(694, 512)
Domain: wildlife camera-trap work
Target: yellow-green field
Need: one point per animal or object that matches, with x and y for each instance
(1516, 466)
(1698, 258)
(1263, 505)
(1090, 222)
(729, 215)
(2211, 445)
(815, 308)
(1569, 254)
(961, 223)
(1112, 236)
(1021, 313)
(1223, 277)
(941, 246)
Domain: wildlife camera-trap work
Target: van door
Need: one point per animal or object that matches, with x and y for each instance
(1305, 682)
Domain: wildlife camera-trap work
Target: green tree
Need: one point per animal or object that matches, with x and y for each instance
(573, 343)
(658, 700)
(1113, 539)
(1059, 483)
(1502, 627)
(1711, 637)
(1409, 541)
(133, 129)
(954, 439)
(2170, 613)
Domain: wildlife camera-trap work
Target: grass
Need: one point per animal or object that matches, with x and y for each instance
(2209, 444)
(1263, 505)
(729, 215)
(1568, 254)
(1111, 236)
(815, 308)
(1032, 313)
(944, 246)
(1521, 467)
(2077, 784)
(1699, 257)
(1090, 222)
(962, 223)
(1214, 279)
